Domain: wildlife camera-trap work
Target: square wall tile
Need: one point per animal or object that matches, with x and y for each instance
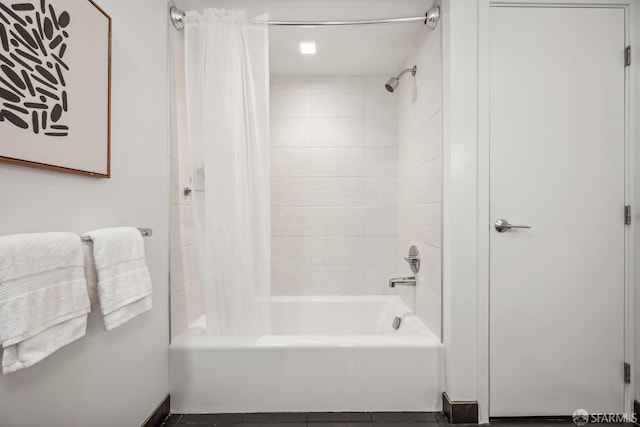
(431, 266)
(179, 319)
(290, 191)
(379, 103)
(337, 221)
(421, 145)
(292, 280)
(180, 177)
(380, 161)
(181, 226)
(380, 251)
(289, 103)
(377, 279)
(336, 192)
(421, 223)
(290, 161)
(429, 224)
(289, 131)
(336, 82)
(336, 103)
(291, 251)
(422, 184)
(291, 221)
(429, 308)
(381, 191)
(381, 221)
(347, 280)
(288, 82)
(336, 162)
(184, 267)
(380, 132)
(336, 132)
(338, 251)
(195, 302)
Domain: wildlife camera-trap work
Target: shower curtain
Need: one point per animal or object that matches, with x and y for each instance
(227, 75)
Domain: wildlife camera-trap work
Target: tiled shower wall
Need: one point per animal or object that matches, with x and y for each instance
(420, 177)
(334, 186)
(186, 292)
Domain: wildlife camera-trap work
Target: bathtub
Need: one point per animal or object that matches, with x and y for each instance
(325, 354)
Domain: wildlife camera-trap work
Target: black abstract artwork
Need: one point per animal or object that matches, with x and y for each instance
(33, 42)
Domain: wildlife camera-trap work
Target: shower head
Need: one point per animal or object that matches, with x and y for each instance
(393, 82)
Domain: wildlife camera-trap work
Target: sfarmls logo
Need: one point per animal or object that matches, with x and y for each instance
(582, 417)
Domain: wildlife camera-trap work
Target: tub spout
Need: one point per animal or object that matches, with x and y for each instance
(405, 281)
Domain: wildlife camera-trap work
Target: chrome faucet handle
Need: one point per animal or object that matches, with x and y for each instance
(413, 259)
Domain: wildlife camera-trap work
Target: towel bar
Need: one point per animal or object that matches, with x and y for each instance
(146, 232)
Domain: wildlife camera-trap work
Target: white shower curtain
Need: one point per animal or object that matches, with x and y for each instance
(227, 75)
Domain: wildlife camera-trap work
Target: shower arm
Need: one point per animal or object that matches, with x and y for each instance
(403, 72)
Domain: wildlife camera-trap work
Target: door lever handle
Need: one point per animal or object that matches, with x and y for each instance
(503, 225)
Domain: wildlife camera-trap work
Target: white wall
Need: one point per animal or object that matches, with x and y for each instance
(420, 176)
(460, 213)
(334, 186)
(106, 378)
(187, 303)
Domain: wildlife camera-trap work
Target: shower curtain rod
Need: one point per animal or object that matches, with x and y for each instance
(430, 19)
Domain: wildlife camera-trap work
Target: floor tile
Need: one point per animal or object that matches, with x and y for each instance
(341, 424)
(285, 417)
(403, 416)
(431, 423)
(275, 424)
(534, 423)
(172, 419)
(441, 417)
(211, 419)
(339, 417)
(531, 422)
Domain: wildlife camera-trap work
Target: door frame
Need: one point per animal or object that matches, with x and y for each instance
(484, 220)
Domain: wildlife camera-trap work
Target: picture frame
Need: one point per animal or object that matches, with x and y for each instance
(55, 85)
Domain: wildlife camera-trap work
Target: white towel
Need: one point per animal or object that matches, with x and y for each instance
(90, 273)
(124, 284)
(43, 296)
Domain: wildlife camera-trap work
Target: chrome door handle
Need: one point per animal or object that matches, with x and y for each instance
(503, 225)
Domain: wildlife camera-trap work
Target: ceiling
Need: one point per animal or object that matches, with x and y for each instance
(351, 50)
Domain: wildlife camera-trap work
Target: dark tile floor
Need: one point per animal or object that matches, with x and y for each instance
(344, 419)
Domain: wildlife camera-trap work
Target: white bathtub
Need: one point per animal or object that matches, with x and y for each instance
(325, 354)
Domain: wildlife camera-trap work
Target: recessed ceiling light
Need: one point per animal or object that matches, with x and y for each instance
(307, 48)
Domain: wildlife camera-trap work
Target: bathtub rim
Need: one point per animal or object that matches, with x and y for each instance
(195, 336)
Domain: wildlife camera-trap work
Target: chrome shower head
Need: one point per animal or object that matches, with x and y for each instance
(393, 82)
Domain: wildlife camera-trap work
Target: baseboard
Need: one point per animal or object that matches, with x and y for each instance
(636, 411)
(460, 412)
(159, 414)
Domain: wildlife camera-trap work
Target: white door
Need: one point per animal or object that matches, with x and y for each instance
(557, 165)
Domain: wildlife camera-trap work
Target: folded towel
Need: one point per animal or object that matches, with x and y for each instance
(128, 312)
(90, 273)
(123, 277)
(36, 348)
(42, 288)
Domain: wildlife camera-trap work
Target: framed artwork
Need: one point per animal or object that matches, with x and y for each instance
(55, 85)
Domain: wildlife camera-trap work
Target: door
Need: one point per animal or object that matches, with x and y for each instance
(557, 165)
